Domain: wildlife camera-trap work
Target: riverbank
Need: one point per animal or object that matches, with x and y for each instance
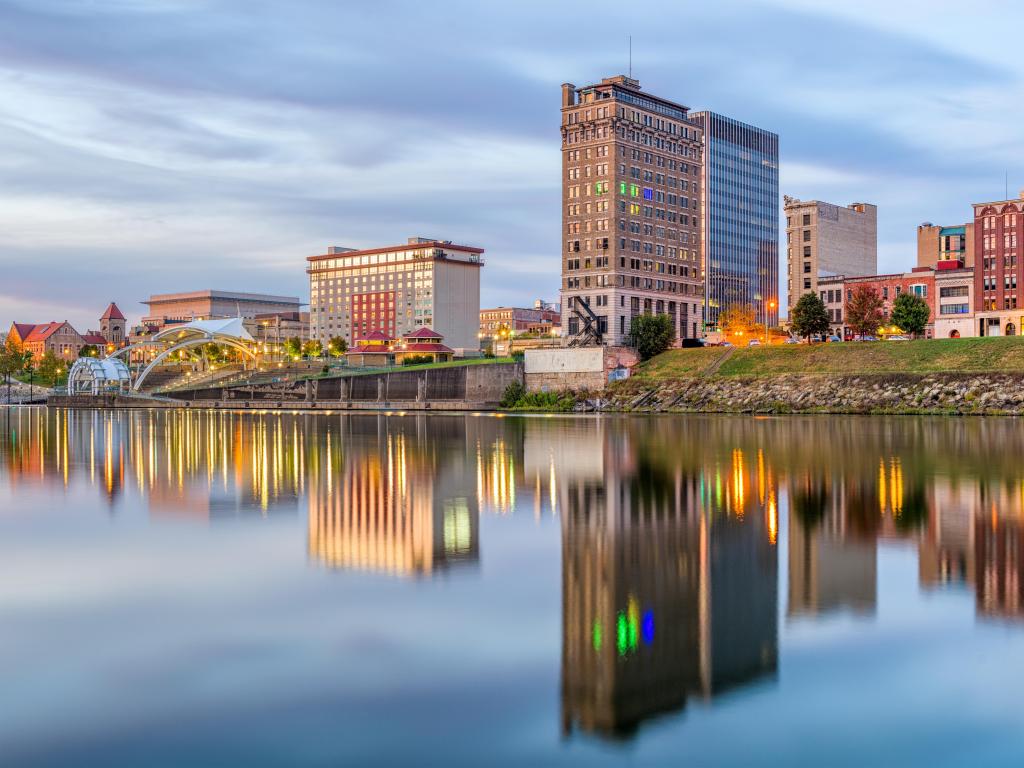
(950, 376)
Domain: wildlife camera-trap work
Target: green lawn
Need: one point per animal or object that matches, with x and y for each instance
(679, 363)
(1004, 354)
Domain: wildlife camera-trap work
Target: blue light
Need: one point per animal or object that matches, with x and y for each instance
(647, 627)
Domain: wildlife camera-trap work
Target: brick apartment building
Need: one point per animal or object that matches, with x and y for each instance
(518, 320)
(998, 231)
(835, 291)
(631, 169)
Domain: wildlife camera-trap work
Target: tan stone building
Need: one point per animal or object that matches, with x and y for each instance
(395, 290)
(208, 304)
(631, 169)
(945, 245)
(515, 320)
(58, 337)
(823, 239)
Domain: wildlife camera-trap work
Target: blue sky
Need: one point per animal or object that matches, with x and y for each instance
(185, 144)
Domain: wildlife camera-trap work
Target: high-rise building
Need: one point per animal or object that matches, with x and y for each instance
(631, 170)
(740, 226)
(943, 246)
(998, 227)
(396, 290)
(824, 239)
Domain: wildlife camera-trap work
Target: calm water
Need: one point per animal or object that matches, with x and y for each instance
(243, 589)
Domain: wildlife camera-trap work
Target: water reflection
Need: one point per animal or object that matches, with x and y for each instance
(668, 580)
(670, 529)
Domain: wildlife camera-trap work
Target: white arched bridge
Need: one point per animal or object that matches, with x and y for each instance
(228, 332)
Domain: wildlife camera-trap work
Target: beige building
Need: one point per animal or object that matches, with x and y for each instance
(832, 292)
(945, 245)
(396, 290)
(823, 239)
(954, 308)
(631, 169)
(165, 308)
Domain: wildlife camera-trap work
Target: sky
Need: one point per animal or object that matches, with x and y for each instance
(152, 146)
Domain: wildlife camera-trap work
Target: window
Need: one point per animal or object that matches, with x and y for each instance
(807, 235)
(953, 291)
(807, 267)
(807, 284)
(807, 219)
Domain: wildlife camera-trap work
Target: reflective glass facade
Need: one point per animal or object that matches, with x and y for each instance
(740, 226)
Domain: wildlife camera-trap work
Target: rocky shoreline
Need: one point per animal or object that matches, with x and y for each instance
(941, 393)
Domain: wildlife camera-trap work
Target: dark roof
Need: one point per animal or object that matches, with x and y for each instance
(112, 313)
(23, 329)
(95, 339)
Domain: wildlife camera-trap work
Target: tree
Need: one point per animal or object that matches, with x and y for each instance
(89, 350)
(651, 334)
(910, 313)
(12, 360)
(51, 368)
(865, 310)
(337, 346)
(293, 346)
(810, 317)
(738, 320)
(313, 348)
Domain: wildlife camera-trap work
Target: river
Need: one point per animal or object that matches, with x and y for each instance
(209, 588)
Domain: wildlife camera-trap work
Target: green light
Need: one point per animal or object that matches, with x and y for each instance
(622, 187)
(621, 632)
(597, 635)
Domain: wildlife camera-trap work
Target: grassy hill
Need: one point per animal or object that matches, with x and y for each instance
(1001, 354)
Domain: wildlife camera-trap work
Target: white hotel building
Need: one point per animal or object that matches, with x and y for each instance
(395, 290)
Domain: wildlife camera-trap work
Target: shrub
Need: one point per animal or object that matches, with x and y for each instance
(514, 392)
(417, 359)
(651, 334)
(553, 402)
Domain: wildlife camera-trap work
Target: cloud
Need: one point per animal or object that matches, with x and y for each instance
(185, 144)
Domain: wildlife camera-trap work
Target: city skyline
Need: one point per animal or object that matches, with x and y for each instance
(169, 146)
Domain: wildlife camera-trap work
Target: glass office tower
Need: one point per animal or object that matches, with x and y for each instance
(740, 220)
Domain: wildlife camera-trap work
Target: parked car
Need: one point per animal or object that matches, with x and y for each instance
(834, 339)
(754, 343)
(692, 343)
(725, 344)
(791, 340)
(899, 337)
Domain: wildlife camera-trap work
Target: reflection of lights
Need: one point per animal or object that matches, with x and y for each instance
(647, 627)
(773, 519)
(596, 635)
(738, 494)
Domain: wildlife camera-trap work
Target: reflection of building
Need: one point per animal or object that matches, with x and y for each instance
(946, 550)
(830, 567)
(999, 555)
(665, 593)
(383, 498)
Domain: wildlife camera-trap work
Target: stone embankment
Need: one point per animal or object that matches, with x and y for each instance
(816, 393)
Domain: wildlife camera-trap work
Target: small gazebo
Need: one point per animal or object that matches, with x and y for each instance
(95, 376)
(423, 342)
(371, 351)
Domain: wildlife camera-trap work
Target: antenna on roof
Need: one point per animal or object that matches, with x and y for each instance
(1006, 185)
(630, 57)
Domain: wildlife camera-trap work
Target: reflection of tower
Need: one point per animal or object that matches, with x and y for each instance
(830, 567)
(390, 502)
(661, 597)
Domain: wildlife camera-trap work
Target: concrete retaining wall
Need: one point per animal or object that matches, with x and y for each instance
(574, 368)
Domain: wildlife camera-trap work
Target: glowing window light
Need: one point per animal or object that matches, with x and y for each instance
(597, 635)
(648, 193)
(647, 627)
(622, 188)
(634, 190)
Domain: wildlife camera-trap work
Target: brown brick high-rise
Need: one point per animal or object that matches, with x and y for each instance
(631, 169)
